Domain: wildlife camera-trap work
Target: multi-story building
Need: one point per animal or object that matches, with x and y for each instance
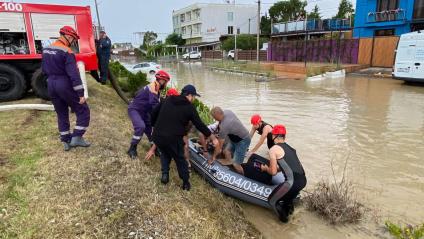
(206, 23)
(388, 17)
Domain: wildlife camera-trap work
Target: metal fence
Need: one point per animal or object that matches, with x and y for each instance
(325, 51)
(312, 25)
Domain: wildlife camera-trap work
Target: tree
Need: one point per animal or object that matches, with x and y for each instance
(174, 39)
(265, 25)
(315, 13)
(244, 42)
(284, 11)
(149, 39)
(345, 7)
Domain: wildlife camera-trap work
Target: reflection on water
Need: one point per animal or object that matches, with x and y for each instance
(376, 124)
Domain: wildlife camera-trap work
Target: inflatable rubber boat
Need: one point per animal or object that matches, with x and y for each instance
(236, 185)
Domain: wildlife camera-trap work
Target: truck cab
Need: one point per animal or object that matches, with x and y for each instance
(25, 29)
(409, 61)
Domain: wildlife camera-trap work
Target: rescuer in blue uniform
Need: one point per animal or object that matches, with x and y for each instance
(140, 108)
(104, 55)
(65, 88)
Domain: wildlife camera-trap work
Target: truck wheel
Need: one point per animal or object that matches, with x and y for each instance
(39, 85)
(12, 83)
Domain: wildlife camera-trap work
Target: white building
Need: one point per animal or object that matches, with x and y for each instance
(207, 22)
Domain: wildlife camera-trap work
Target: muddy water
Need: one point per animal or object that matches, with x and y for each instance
(375, 124)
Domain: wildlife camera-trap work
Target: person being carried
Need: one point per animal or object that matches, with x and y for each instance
(263, 129)
(237, 136)
(214, 128)
(140, 108)
(170, 119)
(269, 172)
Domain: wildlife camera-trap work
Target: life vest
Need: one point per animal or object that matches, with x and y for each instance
(290, 157)
(269, 140)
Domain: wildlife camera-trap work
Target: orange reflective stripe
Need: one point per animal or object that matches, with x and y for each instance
(60, 44)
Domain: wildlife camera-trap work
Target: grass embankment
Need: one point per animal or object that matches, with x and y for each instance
(99, 192)
(242, 67)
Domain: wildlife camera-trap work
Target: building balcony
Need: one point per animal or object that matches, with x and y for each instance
(314, 25)
(192, 35)
(386, 16)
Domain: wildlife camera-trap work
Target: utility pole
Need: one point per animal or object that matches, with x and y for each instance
(235, 31)
(249, 26)
(98, 18)
(259, 29)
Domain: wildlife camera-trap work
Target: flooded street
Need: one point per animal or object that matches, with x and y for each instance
(375, 124)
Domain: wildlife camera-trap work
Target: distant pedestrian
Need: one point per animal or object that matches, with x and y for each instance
(65, 88)
(170, 119)
(105, 46)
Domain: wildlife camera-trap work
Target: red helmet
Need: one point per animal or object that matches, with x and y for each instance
(162, 75)
(67, 30)
(256, 119)
(279, 129)
(172, 92)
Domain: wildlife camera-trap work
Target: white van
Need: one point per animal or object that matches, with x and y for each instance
(409, 62)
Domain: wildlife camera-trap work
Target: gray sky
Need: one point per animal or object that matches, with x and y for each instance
(123, 17)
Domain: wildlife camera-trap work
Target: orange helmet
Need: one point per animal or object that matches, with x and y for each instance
(279, 129)
(172, 92)
(162, 75)
(67, 30)
(256, 119)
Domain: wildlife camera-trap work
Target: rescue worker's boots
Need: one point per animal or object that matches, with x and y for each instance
(186, 185)
(66, 146)
(132, 151)
(165, 178)
(78, 141)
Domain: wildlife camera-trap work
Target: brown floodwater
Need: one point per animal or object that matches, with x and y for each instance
(377, 125)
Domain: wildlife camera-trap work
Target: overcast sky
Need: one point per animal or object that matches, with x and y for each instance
(123, 17)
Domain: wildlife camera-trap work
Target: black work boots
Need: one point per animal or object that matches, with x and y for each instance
(132, 151)
(165, 178)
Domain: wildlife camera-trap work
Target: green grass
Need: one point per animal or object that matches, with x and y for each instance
(241, 66)
(99, 192)
(405, 232)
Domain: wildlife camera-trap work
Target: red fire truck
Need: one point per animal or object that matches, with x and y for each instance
(24, 30)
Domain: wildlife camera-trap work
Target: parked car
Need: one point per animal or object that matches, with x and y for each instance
(409, 63)
(145, 67)
(192, 55)
(230, 54)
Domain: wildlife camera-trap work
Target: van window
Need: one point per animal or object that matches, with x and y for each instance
(405, 50)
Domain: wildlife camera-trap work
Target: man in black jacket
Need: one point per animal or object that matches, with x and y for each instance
(170, 119)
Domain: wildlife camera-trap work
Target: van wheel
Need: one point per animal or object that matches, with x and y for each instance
(12, 83)
(39, 84)
(152, 72)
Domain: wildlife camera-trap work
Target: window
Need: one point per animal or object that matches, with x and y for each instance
(419, 9)
(230, 30)
(183, 30)
(230, 16)
(384, 32)
(385, 5)
(188, 16)
(182, 17)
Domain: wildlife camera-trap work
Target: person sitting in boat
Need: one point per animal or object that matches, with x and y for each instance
(264, 130)
(237, 136)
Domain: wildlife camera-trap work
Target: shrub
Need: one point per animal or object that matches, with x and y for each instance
(128, 81)
(405, 232)
(335, 201)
